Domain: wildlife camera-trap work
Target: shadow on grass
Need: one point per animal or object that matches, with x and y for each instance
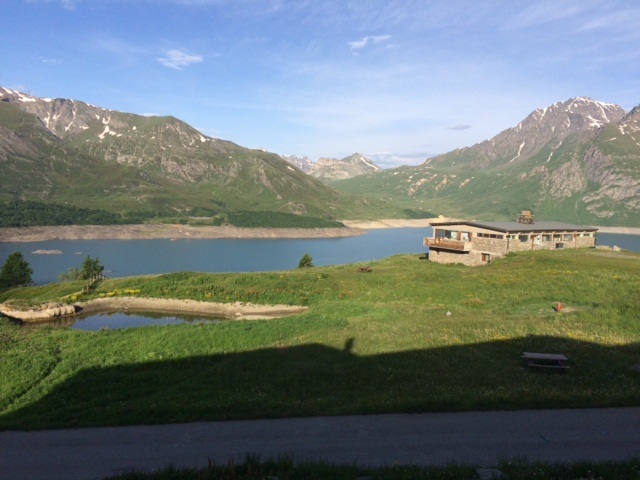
(314, 379)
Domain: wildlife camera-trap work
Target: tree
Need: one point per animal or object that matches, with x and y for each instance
(91, 267)
(15, 271)
(305, 261)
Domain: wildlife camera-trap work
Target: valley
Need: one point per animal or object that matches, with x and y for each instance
(576, 161)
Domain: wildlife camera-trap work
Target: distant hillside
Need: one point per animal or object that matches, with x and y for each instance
(303, 163)
(330, 169)
(69, 152)
(577, 161)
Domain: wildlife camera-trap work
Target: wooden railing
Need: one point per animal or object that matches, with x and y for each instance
(448, 244)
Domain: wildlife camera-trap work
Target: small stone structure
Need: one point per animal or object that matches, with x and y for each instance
(476, 243)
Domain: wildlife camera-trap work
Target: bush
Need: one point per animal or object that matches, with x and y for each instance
(70, 275)
(305, 261)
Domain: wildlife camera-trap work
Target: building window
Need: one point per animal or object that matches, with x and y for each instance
(546, 238)
(568, 237)
(557, 236)
(491, 235)
(486, 257)
(523, 238)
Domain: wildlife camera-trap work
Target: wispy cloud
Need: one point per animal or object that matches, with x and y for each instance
(179, 59)
(66, 4)
(364, 41)
(459, 126)
(51, 61)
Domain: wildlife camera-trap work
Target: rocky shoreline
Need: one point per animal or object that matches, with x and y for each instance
(163, 231)
(231, 311)
(168, 231)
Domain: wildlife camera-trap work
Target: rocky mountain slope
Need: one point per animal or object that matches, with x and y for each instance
(60, 150)
(303, 163)
(330, 169)
(577, 161)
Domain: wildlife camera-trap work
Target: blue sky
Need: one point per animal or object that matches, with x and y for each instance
(397, 81)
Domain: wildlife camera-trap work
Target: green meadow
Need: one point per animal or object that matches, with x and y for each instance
(409, 336)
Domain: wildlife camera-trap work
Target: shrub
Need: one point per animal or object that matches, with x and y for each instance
(305, 261)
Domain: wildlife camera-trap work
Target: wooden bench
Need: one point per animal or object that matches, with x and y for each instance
(546, 360)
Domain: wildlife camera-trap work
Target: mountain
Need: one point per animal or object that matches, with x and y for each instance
(577, 161)
(68, 151)
(330, 169)
(303, 163)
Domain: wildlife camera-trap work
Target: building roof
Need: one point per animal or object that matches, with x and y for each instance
(514, 227)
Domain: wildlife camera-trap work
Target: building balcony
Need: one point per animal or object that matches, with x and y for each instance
(448, 244)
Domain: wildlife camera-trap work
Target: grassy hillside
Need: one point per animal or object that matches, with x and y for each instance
(131, 166)
(370, 343)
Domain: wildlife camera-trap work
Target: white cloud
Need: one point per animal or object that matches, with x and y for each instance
(363, 42)
(459, 126)
(66, 4)
(178, 59)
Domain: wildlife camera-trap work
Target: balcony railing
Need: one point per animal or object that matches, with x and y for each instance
(448, 244)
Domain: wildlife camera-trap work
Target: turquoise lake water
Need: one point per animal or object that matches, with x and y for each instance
(123, 258)
(138, 257)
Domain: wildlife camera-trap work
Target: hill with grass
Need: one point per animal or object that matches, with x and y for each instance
(575, 161)
(68, 152)
(408, 335)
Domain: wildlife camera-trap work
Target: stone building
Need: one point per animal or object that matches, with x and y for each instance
(477, 243)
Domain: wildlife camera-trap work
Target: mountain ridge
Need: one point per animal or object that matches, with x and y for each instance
(330, 169)
(61, 150)
(577, 160)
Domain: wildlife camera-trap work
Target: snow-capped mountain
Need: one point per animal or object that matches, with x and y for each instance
(577, 161)
(71, 151)
(329, 169)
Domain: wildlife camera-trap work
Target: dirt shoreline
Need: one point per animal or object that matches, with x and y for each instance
(237, 310)
(168, 231)
(163, 231)
(231, 311)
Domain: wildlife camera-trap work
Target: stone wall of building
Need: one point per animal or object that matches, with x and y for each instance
(490, 245)
(484, 249)
(470, 259)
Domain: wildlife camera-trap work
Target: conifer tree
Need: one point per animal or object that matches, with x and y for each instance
(15, 271)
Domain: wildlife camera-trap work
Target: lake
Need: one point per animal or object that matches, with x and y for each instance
(123, 258)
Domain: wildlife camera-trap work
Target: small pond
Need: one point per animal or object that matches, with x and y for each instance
(119, 320)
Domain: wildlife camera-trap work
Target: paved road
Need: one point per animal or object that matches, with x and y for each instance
(477, 438)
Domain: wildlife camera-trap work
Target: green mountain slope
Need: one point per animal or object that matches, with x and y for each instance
(67, 151)
(576, 161)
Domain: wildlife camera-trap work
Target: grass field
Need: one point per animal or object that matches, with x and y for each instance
(411, 336)
(285, 469)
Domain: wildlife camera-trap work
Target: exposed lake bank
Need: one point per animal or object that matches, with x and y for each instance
(232, 311)
(163, 231)
(171, 231)
(425, 223)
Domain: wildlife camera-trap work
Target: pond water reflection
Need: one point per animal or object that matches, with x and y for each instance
(120, 320)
